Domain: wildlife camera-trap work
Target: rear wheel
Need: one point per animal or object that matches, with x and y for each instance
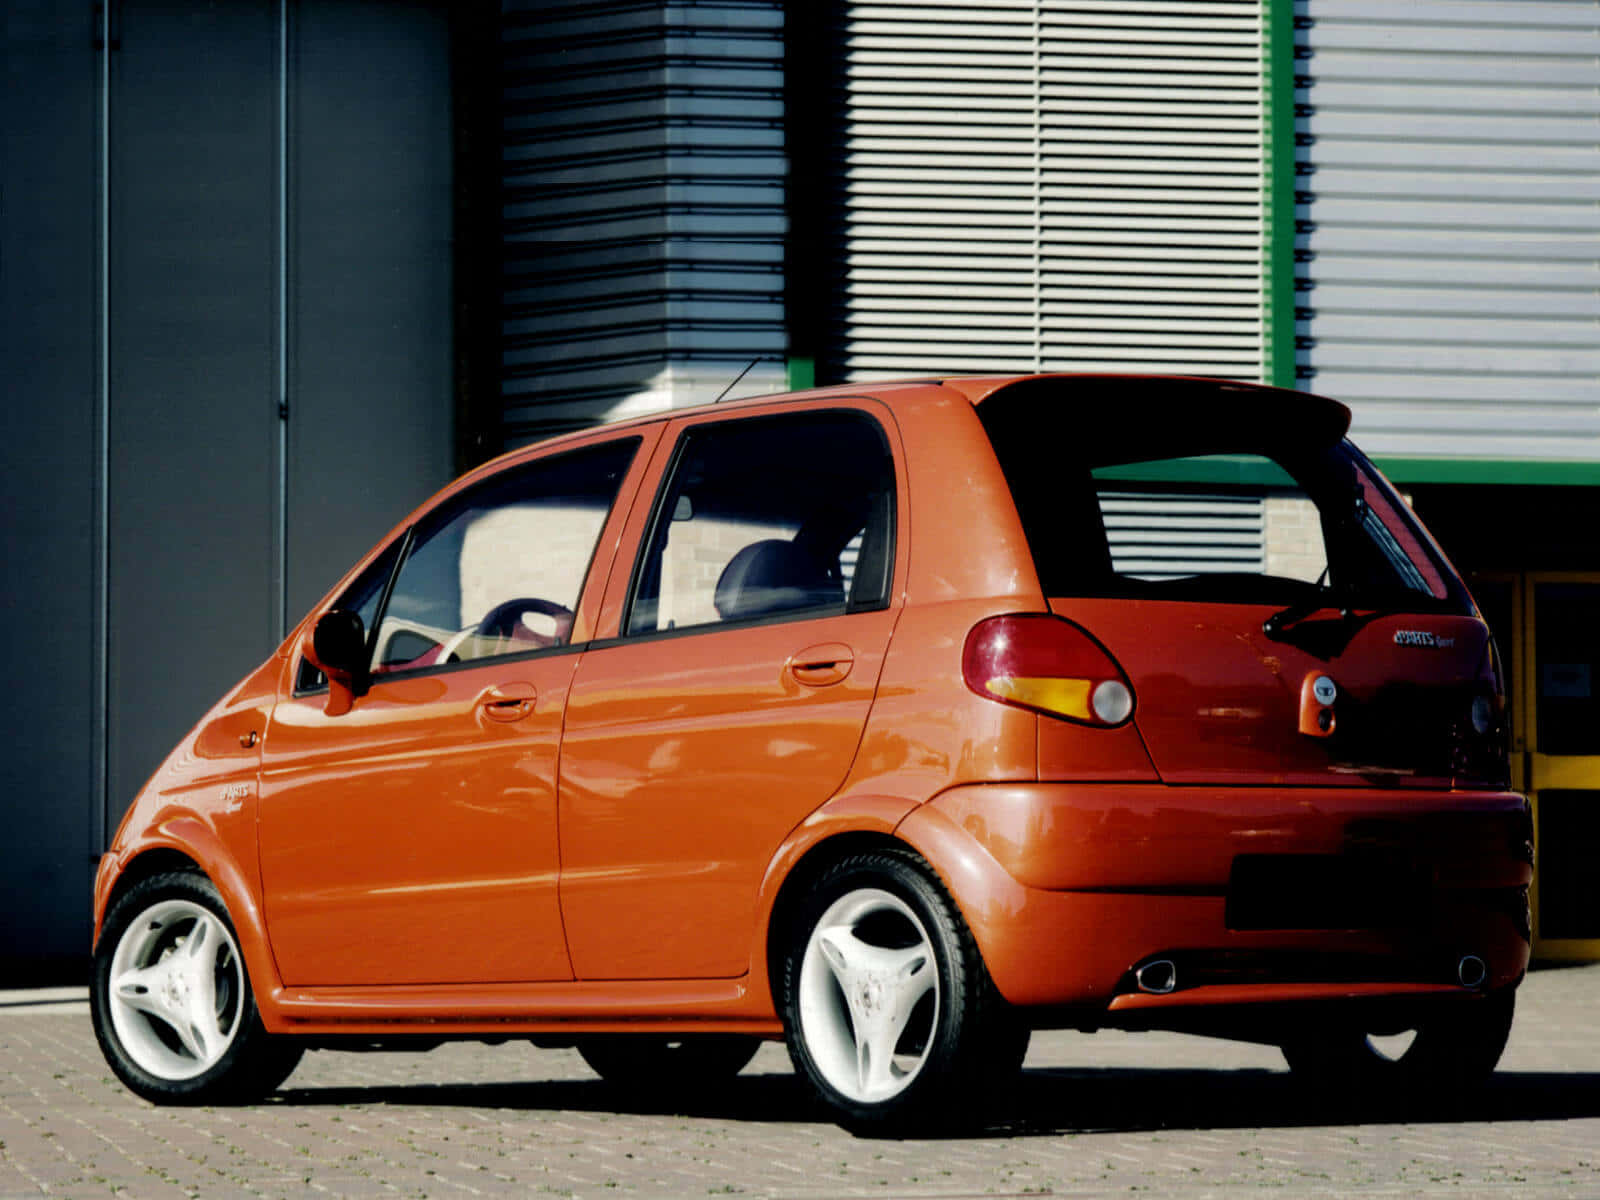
(1436, 1058)
(888, 1008)
(171, 1001)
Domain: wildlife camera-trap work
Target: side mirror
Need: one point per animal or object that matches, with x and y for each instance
(338, 649)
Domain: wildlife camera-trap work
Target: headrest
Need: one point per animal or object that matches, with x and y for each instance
(772, 576)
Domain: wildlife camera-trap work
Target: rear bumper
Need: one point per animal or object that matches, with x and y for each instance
(1257, 895)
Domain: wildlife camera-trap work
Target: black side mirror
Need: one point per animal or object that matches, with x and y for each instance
(339, 650)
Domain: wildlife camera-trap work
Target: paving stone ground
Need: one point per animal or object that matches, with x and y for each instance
(1107, 1114)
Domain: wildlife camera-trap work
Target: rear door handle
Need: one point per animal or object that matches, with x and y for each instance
(821, 665)
(508, 701)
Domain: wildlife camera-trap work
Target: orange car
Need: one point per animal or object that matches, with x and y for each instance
(895, 720)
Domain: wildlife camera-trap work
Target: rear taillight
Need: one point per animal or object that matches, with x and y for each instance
(1049, 665)
(1481, 750)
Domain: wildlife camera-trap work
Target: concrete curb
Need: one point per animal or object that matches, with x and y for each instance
(22, 1001)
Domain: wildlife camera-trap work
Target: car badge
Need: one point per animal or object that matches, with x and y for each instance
(1423, 638)
(1324, 690)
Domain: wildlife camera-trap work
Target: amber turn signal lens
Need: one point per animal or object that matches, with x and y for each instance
(1049, 665)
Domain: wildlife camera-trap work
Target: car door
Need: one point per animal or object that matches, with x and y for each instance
(749, 633)
(411, 839)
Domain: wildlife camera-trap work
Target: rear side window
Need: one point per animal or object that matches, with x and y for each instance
(767, 518)
(1253, 506)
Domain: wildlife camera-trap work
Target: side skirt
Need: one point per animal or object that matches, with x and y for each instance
(502, 1009)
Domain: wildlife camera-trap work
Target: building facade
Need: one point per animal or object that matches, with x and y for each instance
(276, 269)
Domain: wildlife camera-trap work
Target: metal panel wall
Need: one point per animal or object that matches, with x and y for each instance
(1048, 184)
(644, 207)
(368, 353)
(1450, 224)
(282, 269)
(193, 416)
(48, 334)
(210, 209)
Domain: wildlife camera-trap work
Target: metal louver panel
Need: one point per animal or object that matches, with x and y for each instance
(1155, 535)
(1048, 184)
(643, 217)
(1452, 223)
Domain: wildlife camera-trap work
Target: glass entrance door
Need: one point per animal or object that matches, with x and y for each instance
(1558, 663)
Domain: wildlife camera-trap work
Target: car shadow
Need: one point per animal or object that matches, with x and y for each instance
(1118, 1100)
(769, 1098)
(1044, 1102)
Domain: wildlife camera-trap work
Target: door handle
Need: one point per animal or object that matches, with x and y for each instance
(507, 701)
(821, 665)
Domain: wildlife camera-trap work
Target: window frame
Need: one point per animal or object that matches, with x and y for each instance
(453, 504)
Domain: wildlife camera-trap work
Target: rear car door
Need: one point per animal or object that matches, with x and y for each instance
(412, 838)
(749, 631)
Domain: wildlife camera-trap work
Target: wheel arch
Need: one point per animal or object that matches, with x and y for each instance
(187, 843)
(845, 825)
(156, 860)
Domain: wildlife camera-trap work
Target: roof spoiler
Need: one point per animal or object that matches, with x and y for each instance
(1149, 405)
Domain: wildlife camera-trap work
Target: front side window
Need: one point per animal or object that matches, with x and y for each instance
(362, 598)
(498, 569)
(767, 518)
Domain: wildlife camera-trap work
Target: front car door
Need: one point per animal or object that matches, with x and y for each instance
(749, 631)
(412, 838)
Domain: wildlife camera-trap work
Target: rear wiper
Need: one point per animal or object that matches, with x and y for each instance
(1279, 623)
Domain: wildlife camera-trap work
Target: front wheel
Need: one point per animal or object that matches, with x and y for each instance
(171, 1002)
(1439, 1056)
(888, 1008)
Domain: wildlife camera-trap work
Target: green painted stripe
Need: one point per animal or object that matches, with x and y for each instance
(1490, 470)
(1278, 162)
(1228, 470)
(1252, 471)
(802, 373)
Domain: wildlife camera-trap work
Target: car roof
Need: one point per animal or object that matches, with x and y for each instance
(1162, 393)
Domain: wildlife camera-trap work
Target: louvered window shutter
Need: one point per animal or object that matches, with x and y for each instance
(1450, 226)
(1055, 184)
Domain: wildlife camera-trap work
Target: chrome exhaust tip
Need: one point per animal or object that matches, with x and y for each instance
(1157, 977)
(1472, 971)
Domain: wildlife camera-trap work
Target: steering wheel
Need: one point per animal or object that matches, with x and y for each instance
(504, 621)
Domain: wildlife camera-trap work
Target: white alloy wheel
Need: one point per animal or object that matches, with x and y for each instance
(869, 995)
(176, 989)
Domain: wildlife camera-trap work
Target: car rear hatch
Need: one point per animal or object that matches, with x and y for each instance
(1281, 616)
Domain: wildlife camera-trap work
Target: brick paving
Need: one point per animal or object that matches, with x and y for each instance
(1092, 1116)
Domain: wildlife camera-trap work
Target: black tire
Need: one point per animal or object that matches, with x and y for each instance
(164, 943)
(1452, 1051)
(659, 1065)
(927, 1042)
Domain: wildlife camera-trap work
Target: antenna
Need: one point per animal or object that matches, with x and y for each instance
(736, 379)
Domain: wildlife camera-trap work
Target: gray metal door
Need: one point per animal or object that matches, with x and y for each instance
(280, 315)
(228, 248)
(193, 369)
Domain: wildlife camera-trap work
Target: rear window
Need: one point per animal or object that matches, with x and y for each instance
(1248, 502)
